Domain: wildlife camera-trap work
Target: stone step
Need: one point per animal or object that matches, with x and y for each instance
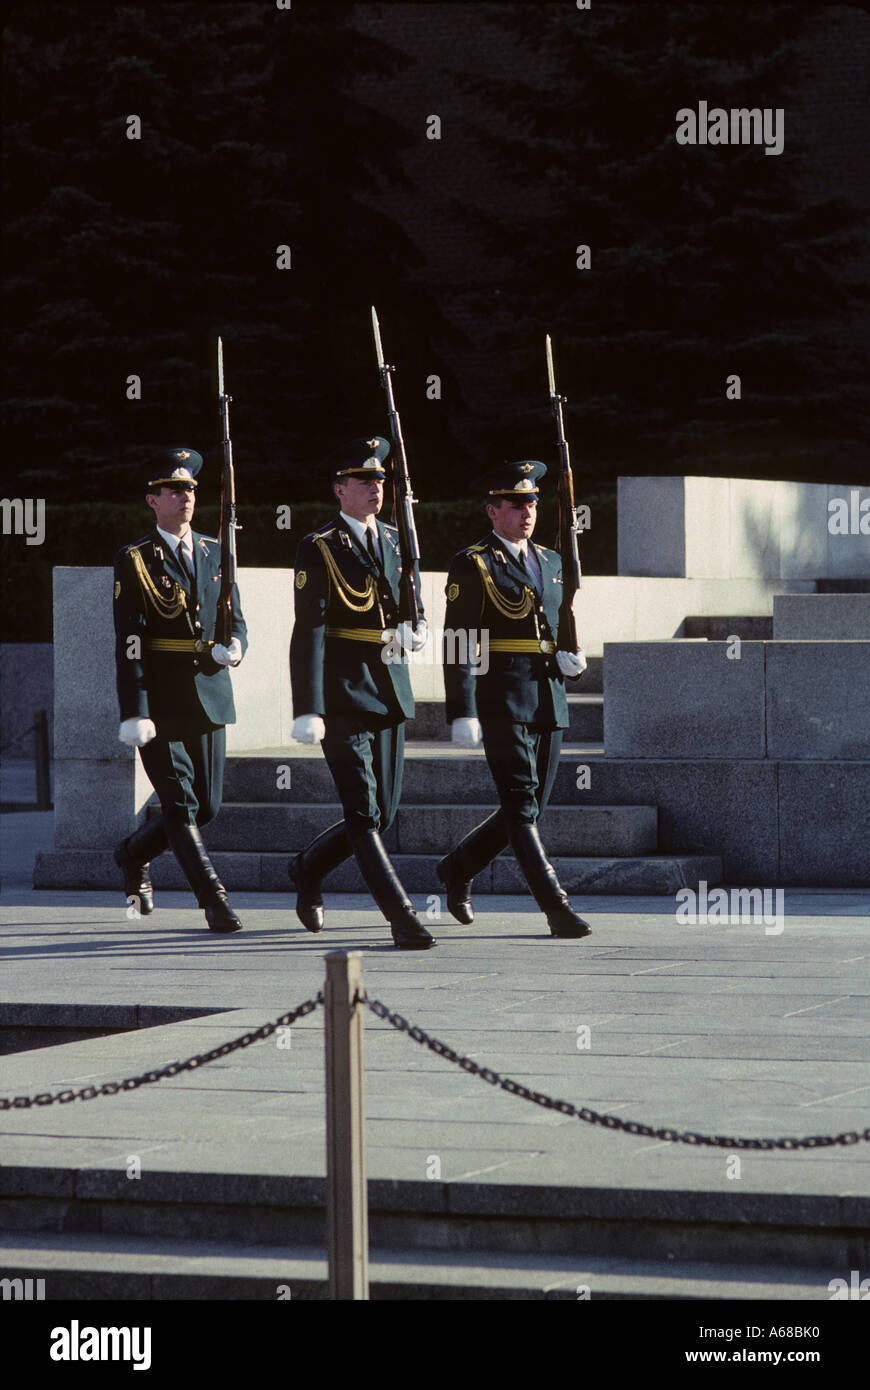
(249, 872)
(748, 629)
(435, 773)
(26, 1027)
(570, 830)
(592, 680)
(586, 713)
(93, 1266)
(481, 1221)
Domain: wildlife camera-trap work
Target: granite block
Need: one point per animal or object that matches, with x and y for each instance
(683, 699)
(709, 807)
(801, 515)
(97, 803)
(825, 823)
(821, 618)
(651, 535)
(26, 685)
(711, 523)
(261, 683)
(848, 532)
(818, 700)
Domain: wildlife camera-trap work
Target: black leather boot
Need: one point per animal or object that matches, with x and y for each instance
(186, 844)
(384, 886)
(545, 887)
(308, 870)
(133, 857)
(470, 857)
(458, 884)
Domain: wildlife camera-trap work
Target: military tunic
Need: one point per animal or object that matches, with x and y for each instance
(520, 697)
(346, 667)
(164, 628)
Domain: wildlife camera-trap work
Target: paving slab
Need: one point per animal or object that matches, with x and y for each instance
(713, 1028)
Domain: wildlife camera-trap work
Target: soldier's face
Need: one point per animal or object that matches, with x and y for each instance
(513, 520)
(360, 497)
(173, 507)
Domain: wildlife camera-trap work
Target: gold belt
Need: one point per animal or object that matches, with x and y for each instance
(177, 644)
(363, 634)
(522, 644)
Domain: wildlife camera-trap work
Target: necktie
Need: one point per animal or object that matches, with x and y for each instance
(187, 561)
(370, 543)
(526, 562)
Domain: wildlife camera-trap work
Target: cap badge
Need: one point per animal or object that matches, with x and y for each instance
(182, 453)
(371, 443)
(527, 468)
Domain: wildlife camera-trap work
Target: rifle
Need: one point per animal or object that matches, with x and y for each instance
(223, 631)
(569, 527)
(403, 498)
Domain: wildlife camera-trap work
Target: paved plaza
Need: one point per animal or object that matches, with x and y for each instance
(721, 1029)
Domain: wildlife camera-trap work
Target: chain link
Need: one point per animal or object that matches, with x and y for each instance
(200, 1059)
(595, 1117)
(441, 1049)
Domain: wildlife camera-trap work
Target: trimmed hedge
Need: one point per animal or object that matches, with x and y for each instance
(90, 533)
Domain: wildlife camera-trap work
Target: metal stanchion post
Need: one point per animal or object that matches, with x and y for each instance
(346, 1195)
(43, 774)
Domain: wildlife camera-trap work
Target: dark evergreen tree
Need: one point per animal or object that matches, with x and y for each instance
(705, 261)
(126, 256)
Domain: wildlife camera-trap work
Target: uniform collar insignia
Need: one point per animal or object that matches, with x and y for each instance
(499, 555)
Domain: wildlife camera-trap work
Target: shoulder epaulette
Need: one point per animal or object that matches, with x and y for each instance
(135, 545)
(215, 540)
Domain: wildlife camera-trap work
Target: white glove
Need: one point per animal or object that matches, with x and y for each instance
(137, 732)
(571, 663)
(412, 638)
(227, 656)
(466, 732)
(308, 728)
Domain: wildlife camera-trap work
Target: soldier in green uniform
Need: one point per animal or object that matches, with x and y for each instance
(174, 688)
(510, 588)
(351, 686)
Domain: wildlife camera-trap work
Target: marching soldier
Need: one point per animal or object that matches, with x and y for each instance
(174, 688)
(512, 588)
(351, 687)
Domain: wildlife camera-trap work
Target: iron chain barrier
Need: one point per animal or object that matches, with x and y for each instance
(594, 1117)
(466, 1064)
